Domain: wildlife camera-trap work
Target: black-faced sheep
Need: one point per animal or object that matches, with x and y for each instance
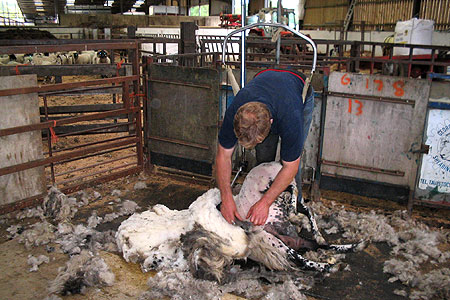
(101, 57)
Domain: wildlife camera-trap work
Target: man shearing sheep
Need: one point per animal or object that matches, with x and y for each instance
(270, 107)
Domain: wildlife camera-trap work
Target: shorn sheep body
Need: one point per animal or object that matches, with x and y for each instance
(200, 239)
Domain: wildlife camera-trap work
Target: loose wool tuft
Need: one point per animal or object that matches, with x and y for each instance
(81, 271)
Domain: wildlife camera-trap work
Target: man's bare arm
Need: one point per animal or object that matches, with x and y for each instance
(223, 177)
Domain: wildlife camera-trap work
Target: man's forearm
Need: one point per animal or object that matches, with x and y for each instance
(223, 172)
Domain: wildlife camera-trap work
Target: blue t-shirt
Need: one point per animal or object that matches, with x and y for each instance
(281, 91)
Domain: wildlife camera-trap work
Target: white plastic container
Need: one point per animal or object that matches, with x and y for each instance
(414, 31)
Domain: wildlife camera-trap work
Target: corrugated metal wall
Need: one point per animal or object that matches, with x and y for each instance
(377, 14)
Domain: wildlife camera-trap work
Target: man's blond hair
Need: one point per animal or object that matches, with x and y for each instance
(252, 124)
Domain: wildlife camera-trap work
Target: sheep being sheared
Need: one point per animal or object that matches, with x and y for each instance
(209, 243)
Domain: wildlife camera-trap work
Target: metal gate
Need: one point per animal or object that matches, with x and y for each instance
(182, 117)
(374, 127)
(78, 145)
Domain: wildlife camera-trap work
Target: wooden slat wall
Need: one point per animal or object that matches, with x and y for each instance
(325, 12)
(381, 14)
(377, 14)
(438, 11)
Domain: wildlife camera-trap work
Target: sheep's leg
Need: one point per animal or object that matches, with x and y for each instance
(294, 242)
(297, 242)
(303, 209)
(306, 264)
(266, 248)
(344, 248)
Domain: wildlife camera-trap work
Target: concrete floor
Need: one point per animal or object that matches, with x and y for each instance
(364, 280)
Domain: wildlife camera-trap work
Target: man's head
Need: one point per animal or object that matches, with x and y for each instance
(252, 124)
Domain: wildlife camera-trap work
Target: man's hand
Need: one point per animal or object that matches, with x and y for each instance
(223, 176)
(229, 210)
(259, 212)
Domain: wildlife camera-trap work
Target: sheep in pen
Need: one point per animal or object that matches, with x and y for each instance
(200, 240)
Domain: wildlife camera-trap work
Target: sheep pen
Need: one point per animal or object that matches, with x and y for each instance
(405, 258)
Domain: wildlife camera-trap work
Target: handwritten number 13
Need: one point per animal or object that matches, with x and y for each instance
(358, 109)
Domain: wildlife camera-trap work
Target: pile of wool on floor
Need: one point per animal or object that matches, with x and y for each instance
(247, 283)
(85, 268)
(413, 246)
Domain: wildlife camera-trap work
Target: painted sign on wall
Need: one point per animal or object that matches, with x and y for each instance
(435, 170)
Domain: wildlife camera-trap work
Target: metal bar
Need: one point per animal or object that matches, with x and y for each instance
(179, 142)
(95, 173)
(28, 202)
(139, 144)
(180, 83)
(83, 91)
(66, 47)
(373, 98)
(95, 154)
(243, 45)
(45, 125)
(323, 110)
(310, 41)
(71, 130)
(90, 144)
(59, 42)
(186, 174)
(435, 204)
(278, 48)
(54, 159)
(363, 168)
(66, 86)
(95, 181)
(49, 141)
(79, 108)
(432, 60)
(63, 70)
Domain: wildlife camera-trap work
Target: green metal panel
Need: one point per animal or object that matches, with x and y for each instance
(183, 116)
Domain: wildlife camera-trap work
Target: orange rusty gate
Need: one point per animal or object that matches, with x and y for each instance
(80, 145)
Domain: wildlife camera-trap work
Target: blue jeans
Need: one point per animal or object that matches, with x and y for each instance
(267, 150)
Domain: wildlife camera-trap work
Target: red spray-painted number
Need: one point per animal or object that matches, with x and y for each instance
(358, 108)
(398, 86)
(345, 80)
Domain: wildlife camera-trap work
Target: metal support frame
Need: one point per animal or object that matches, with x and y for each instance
(243, 54)
(299, 34)
(243, 45)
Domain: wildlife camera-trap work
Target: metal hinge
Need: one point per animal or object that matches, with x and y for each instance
(424, 149)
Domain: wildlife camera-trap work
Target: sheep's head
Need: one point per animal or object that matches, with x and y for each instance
(203, 250)
(102, 54)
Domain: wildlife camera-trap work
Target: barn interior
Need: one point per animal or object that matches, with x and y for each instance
(112, 107)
